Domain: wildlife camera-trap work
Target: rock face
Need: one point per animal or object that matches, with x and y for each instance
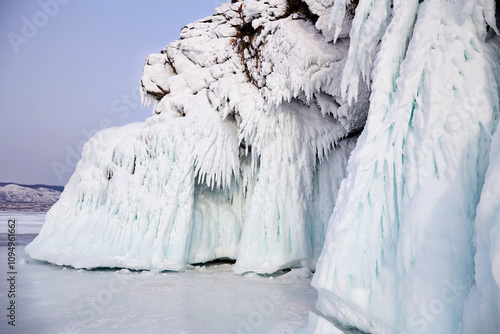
(37, 198)
(242, 157)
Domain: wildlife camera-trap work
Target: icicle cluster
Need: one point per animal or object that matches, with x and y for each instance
(242, 158)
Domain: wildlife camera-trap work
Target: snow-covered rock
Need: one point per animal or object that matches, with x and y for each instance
(242, 158)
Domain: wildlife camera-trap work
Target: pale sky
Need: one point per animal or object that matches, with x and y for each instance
(71, 67)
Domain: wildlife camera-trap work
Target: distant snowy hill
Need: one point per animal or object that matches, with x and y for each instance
(19, 197)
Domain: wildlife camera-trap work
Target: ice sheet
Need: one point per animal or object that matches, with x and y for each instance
(209, 299)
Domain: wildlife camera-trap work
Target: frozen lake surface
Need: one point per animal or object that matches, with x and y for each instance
(206, 299)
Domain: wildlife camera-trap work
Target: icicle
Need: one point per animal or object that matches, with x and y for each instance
(337, 16)
(368, 27)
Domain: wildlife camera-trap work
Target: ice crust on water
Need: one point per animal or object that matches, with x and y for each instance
(242, 158)
(209, 301)
(405, 244)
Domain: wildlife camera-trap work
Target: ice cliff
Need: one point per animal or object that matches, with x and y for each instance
(412, 245)
(252, 153)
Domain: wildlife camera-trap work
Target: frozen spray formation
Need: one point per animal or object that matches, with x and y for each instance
(256, 113)
(242, 158)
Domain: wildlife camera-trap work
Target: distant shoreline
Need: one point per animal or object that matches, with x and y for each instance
(24, 207)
